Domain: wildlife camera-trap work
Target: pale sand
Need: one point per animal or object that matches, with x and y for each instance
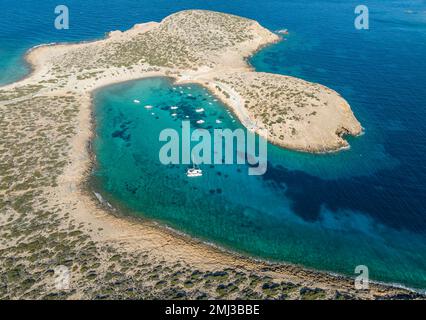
(131, 235)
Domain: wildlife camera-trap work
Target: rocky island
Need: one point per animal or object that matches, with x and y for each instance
(49, 217)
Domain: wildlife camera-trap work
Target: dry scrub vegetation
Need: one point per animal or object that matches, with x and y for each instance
(41, 115)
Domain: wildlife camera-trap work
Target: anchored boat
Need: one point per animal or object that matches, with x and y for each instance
(194, 172)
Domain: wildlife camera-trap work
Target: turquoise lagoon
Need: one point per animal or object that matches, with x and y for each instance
(326, 216)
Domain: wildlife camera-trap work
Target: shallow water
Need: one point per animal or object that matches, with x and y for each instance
(331, 212)
(332, 223)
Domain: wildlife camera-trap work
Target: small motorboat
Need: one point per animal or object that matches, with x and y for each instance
(148, 107)
(194, 172)
(200, 121)
(136, 101)
(218, 121)
(173, 107)
(174, 114)
(199, 110)
(191, 173)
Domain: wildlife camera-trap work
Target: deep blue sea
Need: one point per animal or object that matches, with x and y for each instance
(363, 206)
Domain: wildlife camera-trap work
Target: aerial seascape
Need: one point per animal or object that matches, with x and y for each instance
(345, 175)
(266, 216)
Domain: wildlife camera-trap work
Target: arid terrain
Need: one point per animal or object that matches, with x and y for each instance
(50, 217)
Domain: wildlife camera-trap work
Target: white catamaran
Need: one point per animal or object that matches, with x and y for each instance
(194, 171)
